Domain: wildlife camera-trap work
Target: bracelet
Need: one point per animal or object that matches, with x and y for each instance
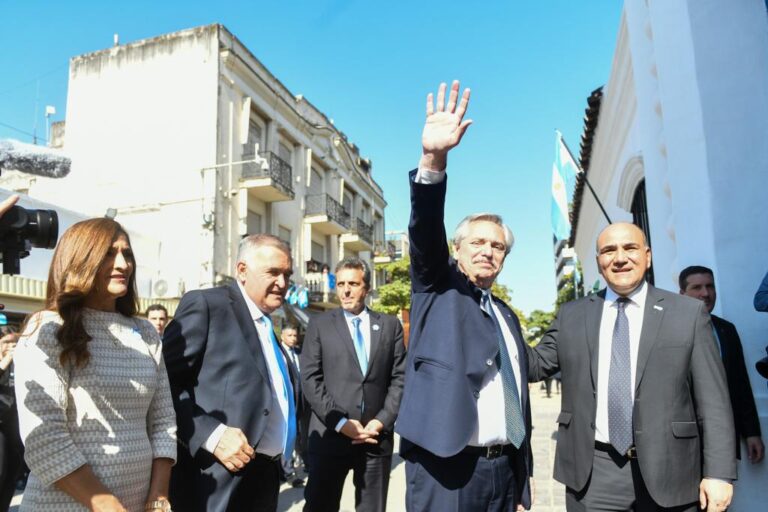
(162, 504)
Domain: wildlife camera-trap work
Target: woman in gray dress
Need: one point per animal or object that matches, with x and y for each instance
(95, 410)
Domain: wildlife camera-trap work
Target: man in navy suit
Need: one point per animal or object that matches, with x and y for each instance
(233, 387)
(465, 416)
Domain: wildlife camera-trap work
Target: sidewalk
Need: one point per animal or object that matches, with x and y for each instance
(549, 497)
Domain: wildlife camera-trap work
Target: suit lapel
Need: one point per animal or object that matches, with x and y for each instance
(375, 321)
(593, 318)
(652, 316)
(344, 335)
(250, 335)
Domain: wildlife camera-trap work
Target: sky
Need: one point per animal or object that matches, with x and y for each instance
(530, 64)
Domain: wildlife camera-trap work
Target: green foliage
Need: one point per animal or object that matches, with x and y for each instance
(538, 322)
(395, 294)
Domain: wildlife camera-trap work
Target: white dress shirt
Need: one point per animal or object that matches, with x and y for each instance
(365, 329)
(275, 434)
(634, 310)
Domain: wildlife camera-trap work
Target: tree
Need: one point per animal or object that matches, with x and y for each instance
(395, 295)
(538, 322)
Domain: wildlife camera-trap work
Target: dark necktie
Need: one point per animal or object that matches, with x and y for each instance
(620, 383)
(513, 414)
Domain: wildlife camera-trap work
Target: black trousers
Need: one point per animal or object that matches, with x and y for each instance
(616, 485)
(254, 488)
(11, 455)
(462, 483)
(327, 473)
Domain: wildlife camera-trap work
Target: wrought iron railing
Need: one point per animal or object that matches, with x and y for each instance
(323, 204)
(314, 266)
(364, 231)
(384, 248)
(276, 168)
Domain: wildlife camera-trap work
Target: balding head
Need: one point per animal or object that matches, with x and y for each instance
(623, 257)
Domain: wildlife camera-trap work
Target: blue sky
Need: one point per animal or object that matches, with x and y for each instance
(369, 65)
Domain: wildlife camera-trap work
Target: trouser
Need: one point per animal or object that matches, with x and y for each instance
(616, 485)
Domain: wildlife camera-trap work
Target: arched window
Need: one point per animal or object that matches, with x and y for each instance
(639, 211)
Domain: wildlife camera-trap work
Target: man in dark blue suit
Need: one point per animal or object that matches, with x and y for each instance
(465, 416)
(233, 387)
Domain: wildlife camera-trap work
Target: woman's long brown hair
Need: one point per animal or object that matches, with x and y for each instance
(72, 279)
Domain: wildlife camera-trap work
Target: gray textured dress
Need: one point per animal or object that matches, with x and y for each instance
(115, 415)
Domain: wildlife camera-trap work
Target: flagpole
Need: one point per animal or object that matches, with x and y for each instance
(584, 177)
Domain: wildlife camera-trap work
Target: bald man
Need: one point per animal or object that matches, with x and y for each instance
(646, 422)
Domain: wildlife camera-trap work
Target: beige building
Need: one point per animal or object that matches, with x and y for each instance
(194, 143)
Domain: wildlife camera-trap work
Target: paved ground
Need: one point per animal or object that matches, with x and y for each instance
(550, 496)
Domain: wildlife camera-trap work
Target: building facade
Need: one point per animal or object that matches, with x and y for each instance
(193, 142)
(675, 142)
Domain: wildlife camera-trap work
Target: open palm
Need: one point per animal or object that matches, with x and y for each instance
(445, 124)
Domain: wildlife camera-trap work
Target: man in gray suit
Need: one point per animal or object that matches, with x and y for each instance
(646, 422)
(352, 370)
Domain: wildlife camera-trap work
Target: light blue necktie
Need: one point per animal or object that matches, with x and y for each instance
(362, 357)
(513, 414)
(620, 383)
(290, 437)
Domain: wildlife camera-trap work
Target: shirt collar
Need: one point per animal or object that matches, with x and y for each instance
(256, 313)
(637, 297)
(363, 316)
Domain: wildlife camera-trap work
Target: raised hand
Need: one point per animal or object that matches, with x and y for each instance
(444, 126)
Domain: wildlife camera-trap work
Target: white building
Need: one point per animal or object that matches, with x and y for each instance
(677, 141)
(195, 143)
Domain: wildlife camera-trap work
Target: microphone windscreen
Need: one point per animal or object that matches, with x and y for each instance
(31, 159)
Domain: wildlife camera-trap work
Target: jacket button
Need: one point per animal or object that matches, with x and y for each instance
(266, 412)
(476, 394)
(489, 362)
(592, 425)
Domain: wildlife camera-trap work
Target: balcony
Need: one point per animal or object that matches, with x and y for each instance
(384, 251)
(326, 215)
(267, 177)
(360, 238)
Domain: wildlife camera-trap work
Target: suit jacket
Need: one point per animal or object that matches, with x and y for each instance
(335, 386)
(218, 374)
(745, 417)
(452, 345)
(682, 420)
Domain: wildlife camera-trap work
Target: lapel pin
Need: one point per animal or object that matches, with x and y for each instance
(658, 307)
(375, 327)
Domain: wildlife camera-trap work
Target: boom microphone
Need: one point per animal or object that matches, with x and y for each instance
(31, 159)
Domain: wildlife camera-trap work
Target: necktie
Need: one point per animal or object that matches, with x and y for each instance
(290, 436)
(620, 383)
(513, 414)
(362, 357)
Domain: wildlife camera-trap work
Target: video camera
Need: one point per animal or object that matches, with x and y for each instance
(22, 228)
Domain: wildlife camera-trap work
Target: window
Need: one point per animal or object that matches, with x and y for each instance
(284, 234)
(253, 223)
(316, 182)
(255, 136)
(640, 218)
(318, 252)
(348, 201)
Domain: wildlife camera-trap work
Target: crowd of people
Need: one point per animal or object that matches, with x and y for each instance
(210, 411)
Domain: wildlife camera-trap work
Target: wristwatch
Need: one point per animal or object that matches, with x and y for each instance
(163, 505)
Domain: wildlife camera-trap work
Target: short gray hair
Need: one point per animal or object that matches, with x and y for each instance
(252, 242)
(356, 264)
(462, 230)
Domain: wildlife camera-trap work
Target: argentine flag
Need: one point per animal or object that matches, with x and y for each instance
(564, 171)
